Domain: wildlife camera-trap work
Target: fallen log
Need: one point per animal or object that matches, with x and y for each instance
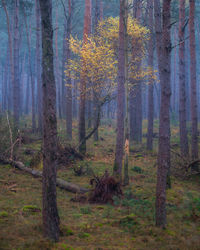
(70, 187)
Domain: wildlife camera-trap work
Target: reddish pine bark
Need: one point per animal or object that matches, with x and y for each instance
(119, 150)
(150, 87)
(182, 82)
(86, 32)
(49, 212)
(164, 127)
(193, 86)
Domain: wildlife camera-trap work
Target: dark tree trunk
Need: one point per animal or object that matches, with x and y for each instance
(69, 83)
(50, 213)
(193, 86)
(164, 127)
(182, 82)
(86, 32)
(150, 87)
(38, 65)
(119, 150)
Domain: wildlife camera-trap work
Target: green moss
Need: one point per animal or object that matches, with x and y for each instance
(3, 214)
(30, 209)
(83, 235)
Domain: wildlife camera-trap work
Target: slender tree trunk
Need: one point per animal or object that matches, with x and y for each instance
(11, 61)
(126, 121)
(50, 212)
(69, 82)
(86, 32)
(38, 64)
(182, 82)
(193, 86)
(31, 75)
(119, 150)
(151, 85)
(164, 127)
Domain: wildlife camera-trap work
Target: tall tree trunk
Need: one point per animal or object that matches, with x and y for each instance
(69, 82)
(119, 150)
(193, 87)
(16, 89)
(86, 32)
(38, 64)
(151, 84)
(164, 127)
(31, 75)
(11, 61)
(182, 82)
(49, 212)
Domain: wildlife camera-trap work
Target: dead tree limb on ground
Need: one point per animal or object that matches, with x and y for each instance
(70, 187)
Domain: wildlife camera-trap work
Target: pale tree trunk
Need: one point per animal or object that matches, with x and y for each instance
(38, 65)
(119, 150)
(151, 83)
(31, 75)
(86, 32)
(49, 212)
(193, 86)
(16, 87)
(164, 127)
(182, 82)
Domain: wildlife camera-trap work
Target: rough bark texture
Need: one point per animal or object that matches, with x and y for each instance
(16, 87)
(50, 212)
(164, 127)
(119, 150)
(193, 86)
(150, 87)
(182, 82)
(82, 104)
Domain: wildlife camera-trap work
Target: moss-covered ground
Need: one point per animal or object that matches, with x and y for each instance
(129, 224)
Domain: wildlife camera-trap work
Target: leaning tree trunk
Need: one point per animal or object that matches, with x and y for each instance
(50, 212)
(82, 104)
(151, 85)
(193, 86)
(119, 150)
(164, 127)
(182, 82)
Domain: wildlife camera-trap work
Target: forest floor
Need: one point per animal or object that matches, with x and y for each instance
(129, 224)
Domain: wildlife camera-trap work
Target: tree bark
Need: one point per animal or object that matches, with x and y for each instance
(119, 148)
(193, 86)
(16, 87)
(31, 74)
(164, 127)
(182, 82)
(151, 83)
(82, 104)
(38, 65)
(50, 212)
(69, 82)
